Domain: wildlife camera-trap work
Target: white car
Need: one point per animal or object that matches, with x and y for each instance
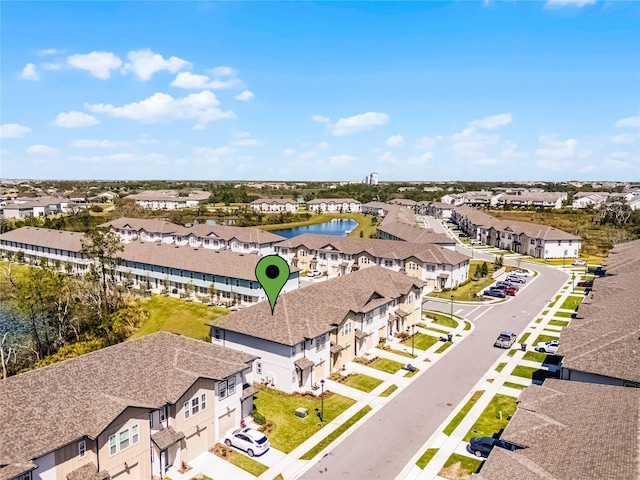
(547, 347)
(248, 439)
(313, 273)
(579, 263)
(520, 273)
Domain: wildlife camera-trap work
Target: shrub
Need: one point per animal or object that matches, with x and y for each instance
(96, 208)
(258, 417)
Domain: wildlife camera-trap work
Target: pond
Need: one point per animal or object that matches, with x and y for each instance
(337, 227)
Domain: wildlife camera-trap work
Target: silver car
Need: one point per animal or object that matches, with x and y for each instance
(248, 439)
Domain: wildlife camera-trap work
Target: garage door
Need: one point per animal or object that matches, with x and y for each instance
(226, 423)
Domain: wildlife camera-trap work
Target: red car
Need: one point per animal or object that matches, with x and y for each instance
(509, 291)
(586, 283)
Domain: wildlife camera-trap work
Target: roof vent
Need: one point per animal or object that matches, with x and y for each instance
(241, 254)
(196, 249)
(177, 246)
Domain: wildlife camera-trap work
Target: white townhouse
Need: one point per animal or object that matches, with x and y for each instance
(135, 410)
(168, 199)
(589, 199)
(216, 237)
(318, 329)
(334, 205)
(532, 199)
(156, 266)
(35, 207)
(379, 209)
(271, 205)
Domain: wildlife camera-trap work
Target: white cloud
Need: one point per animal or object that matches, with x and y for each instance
(74, 120)
(99, 64)
(554, 149)
(13, 130)
(98, 144)
(422, 159)
(486, 162)
(624, 138)
(587, 169)
(199, 82)
(471, 145)
(387, 157)
(162, 107)
(50, 66)
(323, 145)
(359, 123)
(41, 150)
(144, 63)
(198, 127)
(244, 96)
(569, 3)
(155, 158)
(247, 142)
(222, 71)
(307, 155)
(493, 121)
(320, 119)
(428, 142)
(288, 152)
(30, 72)
(376, 150)
(629, 122)
(48, 51)
(221, 151)
(395, 141)
(341, 159)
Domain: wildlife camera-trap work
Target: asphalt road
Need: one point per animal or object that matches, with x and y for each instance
(385, 443)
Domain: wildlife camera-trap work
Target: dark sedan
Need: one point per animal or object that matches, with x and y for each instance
(482, 446)
(586, 284)
(495, 292)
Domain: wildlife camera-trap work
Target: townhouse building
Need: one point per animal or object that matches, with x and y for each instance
(316, 330)
(168, 199)
(434, 209)
(271, 205)
(159, 267)
(401, 224)
(589, 199)
(216, 237)
(334, 205)
(130, 411)
(531, 199)
(334, 256)
(379, 209)
(35, 207)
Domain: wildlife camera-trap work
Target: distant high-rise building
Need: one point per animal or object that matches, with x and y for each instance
(371, 179)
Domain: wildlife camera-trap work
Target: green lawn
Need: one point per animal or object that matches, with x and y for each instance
(421, 341)
(544, 338)
(515, 385)
(538, 320)
(426, 457)
(511, 353)
(389, 391)
(563, 314)
(554, 301)
(558, 323)
(524, 372)
(335, 434)
(489, 424)
(433, 329)
(178, 316)
(444, 346)
(440, 319)
(453, 424)
(249, 464)
(411, 374)
(362, 382)
(467, 325)
(501, 366)
(403, 353)
(290, 431)
(386, 365)
(468, 292)
(524, 337)
(458, 467)
(535, 357)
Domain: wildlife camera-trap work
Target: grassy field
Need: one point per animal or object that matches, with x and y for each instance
(535, 356)
(524, 337)
(453, 424)
(386, 365)
(389, 391)
(444, 346)
(501, 366)
(517, 386)
(558, 323)
(335, 434)
(544, 338)
(563, 314)
(467, 292)
(459, 467)
(364, 223)
(489, 424)
(440, 319)
(178, 316)
(426, 457)
(571, 303)
(362, 382)
(421, 341)
(290, 431)
(248, 464)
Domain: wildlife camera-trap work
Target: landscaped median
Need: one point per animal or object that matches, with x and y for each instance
(239, 460)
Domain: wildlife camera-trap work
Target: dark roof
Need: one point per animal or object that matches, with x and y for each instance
(166, 437)
(86, 397)
(316, 309)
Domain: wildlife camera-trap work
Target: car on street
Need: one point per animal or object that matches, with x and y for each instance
(248, 439)
(547, 347)
(505, 340)
(482, 446)
(313, 273)
(494, 292)
(578, 263)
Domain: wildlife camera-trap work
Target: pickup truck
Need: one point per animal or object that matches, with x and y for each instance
(505, 340)
(597, 271)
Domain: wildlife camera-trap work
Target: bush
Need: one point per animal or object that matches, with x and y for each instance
(96, 208)
(258, 417)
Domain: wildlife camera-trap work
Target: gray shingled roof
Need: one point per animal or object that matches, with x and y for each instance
(88, 471)
(166, 437)
(86, 393)
(313, 310)
(44, 237)
(571, 430)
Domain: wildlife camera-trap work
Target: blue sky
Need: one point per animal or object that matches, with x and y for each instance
(321, 91)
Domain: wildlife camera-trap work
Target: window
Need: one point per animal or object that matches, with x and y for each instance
(231, 385)
(135, 436)
(150, 419)
(346, 329)
(334, 256)
(383, 309)
(113, 447)
(364, 260)
(123, 439)
(259, 368)
(82, 449)
(388, 263)
(195, 406)
(368, 317)
(323, 256)
(163, 414)
(203, 401)
(222, 389)
(410, 297)
(24, 476)
(321, 343)
(187, 411)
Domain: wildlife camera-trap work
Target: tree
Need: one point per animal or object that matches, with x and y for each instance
(478, 271)
(213, 292)
(484, 271)
(499, 262)
(102, 246)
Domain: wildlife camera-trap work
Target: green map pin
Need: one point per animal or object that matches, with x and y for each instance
(272, 272)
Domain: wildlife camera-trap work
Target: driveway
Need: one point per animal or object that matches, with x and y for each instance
(389, 439)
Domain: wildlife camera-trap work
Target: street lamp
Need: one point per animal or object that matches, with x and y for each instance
(322, 401)
(452, 308)
(412, 339)
(564, 258)
(573, 283)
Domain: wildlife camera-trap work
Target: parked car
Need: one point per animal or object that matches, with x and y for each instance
(515, 279)
(505, 340)
(579, 263)
(482, 446)
(475, 242)
(509, 291)
(313, 273)
(507, 285)
(547, 347)
(494, 292)
(597, 271)
(586, 283)
(248, 439)
(521, 273)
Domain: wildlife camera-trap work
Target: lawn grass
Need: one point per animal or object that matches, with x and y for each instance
(555, 300)
(389, 390)
(335, 434)
(178, 316)
(544, 338)
(558, 323)
(489, 424)
(421, 341)
(535, 357)
(538, 320)
(546, 312)
(563, 314)
(515, 385)
(459, 466)
(524, 337)
(524, 372)
(248, 464)
(501, 366)
(444, 346)
(426, 457)
(440, 319)
(438, 330)
(511, 353)
(362, 382)
(468, 292)
(402, 352)
(467, 325)
(386, 365)
(453, 424)
(290, 431)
